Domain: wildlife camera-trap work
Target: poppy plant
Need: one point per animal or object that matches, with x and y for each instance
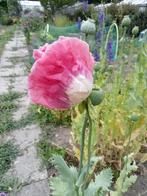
(62, 73)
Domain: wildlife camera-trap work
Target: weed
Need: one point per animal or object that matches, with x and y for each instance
(8, 184)
(24, 121)
(8, 33)
(45, 116)
(46, 151)
(7, 106)
(8, 152)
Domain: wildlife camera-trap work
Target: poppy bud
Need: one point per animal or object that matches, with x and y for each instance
(88, 26)
(126, 21)
(96, 96)
(135, 30)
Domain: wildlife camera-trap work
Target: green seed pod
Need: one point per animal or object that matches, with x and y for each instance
(126, 21)
(88, 26)
(134, 117)
(81, 107)
(135, 30)
(96, 96)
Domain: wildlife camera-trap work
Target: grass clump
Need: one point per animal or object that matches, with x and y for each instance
(6, 35)
(44, 116)
(46, 151)
(8, 152)
(7, 106)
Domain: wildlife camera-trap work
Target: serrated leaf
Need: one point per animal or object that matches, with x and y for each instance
(129, 181)
(93, 161)
(125, 179)
(104, 179)
(58, 187)
(81, 178)
(67, 175)
(102, 182)
(74, 173)
(62, 168)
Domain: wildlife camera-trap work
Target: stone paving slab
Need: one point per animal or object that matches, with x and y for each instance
(6, 72)
(27, 167)
(25, 137)
(35, 189)
(23, 106)
(21, 84)
(4, 85)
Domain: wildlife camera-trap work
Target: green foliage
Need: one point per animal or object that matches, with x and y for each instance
(65, 173)
(101, 184)
(46, 151)
(126, 179)
(61, 20)
(35, 22)
(58, 186)
(8, 152)
(54, 5)
(9, 184)
(13, 7)
(7, 107)
(118, 12)
(6, 35)
(69, 183)
(45, 116)
(125, 96)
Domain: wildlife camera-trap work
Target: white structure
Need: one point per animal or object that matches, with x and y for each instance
(143, 36)
(31, 5)
(140, 3)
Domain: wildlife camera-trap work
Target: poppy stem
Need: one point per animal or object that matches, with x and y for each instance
(82, 143)
(89, 137)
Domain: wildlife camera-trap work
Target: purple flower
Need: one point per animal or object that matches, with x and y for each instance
(79, 23)
(3, 194)
(96, 55)
(109, 51)
(85, 6)
(99, 36)
(101, 17)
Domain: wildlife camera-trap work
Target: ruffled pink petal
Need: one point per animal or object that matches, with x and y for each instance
(37, 54)
(56, 67)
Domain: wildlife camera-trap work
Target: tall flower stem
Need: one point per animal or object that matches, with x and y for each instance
(117, 37)
(89, 137)
(82, 142)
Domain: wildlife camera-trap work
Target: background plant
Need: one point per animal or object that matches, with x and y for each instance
(124, 83)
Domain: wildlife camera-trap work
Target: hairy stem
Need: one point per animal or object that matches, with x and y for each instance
(89, 137)
(82, 143)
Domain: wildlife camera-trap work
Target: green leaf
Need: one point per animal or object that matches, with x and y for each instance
(104, 179)
(93, 161)
(62, 168)
(102, 183)
(125, 179)
(74, 173)
(58, 186)
(129, 181)
(67, 175)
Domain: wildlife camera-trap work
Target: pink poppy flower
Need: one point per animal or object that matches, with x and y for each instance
(62, 73)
